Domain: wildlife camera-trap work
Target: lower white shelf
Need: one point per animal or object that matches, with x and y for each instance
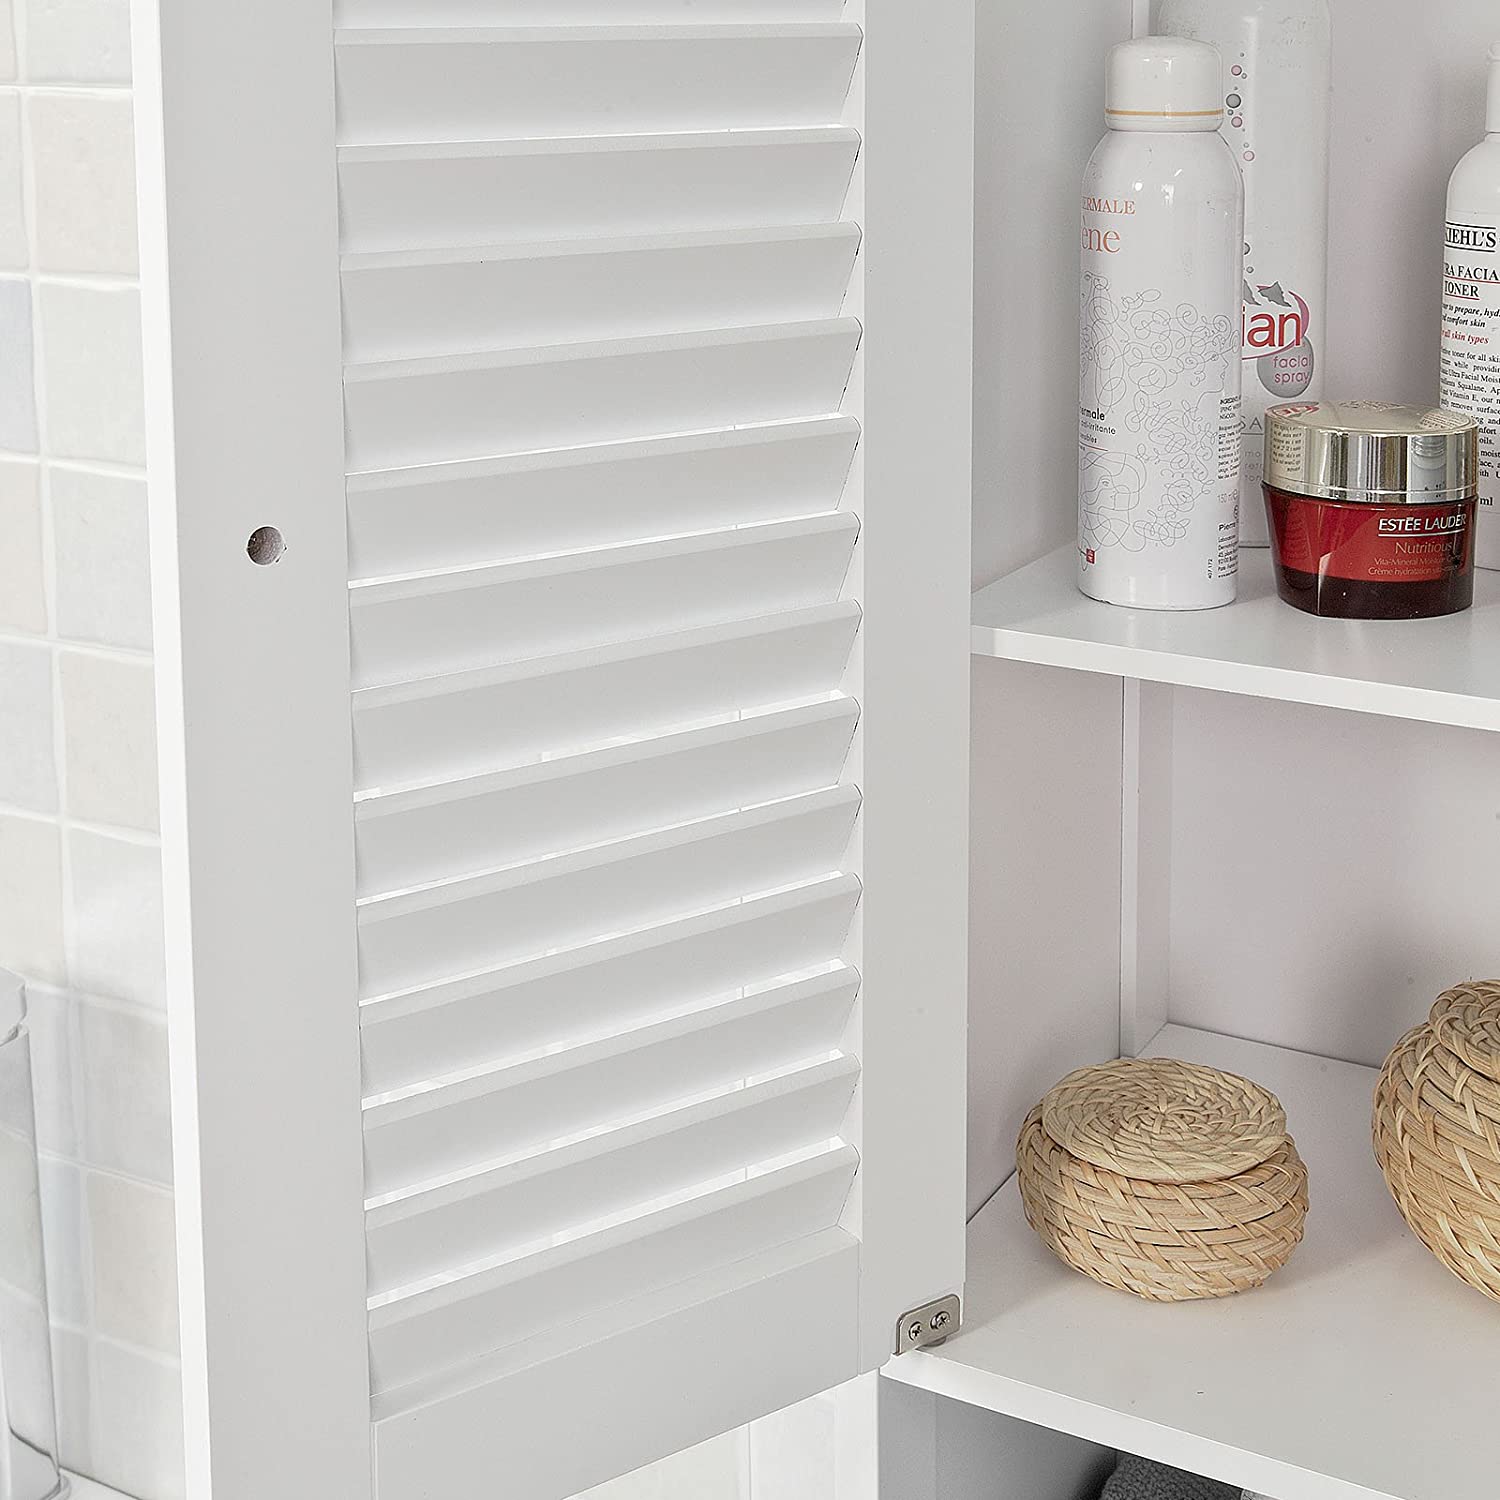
(1362, 1369)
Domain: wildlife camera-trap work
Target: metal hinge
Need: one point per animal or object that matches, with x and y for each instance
(926, 1327)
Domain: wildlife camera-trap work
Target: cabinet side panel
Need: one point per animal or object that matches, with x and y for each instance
(1044, 988)
(1039, 105)
(234, 121)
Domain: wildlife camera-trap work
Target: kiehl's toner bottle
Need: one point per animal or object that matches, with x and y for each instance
(1278, 92)
(1471, 312)
(1159, 411)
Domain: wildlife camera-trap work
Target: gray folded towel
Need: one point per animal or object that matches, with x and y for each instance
(1140, 1479)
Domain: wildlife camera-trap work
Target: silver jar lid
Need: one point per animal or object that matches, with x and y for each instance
(1372, 452)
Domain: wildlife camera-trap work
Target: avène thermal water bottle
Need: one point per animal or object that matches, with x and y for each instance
(1278, 91)
(1471, 312)
(1159, 410)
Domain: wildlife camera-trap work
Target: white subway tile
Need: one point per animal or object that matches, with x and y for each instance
(23, 586)
(91, 356)
(83, 167)
(138, 1423)
(133, 1248)
(793, 1453)
(7, 41)
(78, 41)
(715, 1470)
(28, 770)
(18, 430)
(125, 1109)
(115, 942)
(63, 1229)
(103, 563)
(54, 1052)
(109, 740)
(31, 899)
(72, 1373)
(15, 252)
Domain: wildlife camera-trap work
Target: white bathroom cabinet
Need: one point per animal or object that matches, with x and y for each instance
(561, 444)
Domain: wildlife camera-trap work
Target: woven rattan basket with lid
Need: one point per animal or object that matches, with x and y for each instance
(1437, 1132)
(1165, 1179)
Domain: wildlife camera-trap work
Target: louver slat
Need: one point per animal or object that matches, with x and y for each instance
(504, 192)
(609, 985)
(418, 1335)
(463, 827)
(459, 926)
(491, 1212)
(474, 406)
(459, 1125)
(423, 13)
(453, 84)
(477, 617)
(461, 514)
(472, 722)
(426, 303)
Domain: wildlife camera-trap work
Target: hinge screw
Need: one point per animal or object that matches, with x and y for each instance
(940, 1321)
(914, 1333)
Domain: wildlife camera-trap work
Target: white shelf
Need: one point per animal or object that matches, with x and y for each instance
(1440, 671)
(1363, 1369)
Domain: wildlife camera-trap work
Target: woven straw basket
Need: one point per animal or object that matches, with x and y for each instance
(1437, 1132)
(1165, 1179)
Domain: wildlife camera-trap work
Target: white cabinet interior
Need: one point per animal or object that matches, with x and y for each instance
(1238, 825)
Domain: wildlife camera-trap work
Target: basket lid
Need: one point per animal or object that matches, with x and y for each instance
(1160, 1120)
(1466, 1021)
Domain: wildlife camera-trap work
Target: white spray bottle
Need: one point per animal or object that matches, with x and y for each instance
(1278, 62)
(1471, 311)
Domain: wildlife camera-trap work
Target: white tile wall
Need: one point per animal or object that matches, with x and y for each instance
(99, 537)
(90, 338)
(14, 251)
(80, 864)
(31, 898)
(18, 429)
(109, 739)
(23, 595)
(77, 41)
(83, 165)
(28, 769)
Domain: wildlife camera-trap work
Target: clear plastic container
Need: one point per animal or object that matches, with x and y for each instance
(28, 1411)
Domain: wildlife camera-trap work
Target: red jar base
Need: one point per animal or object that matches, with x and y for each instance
(1350, 599)
(1349, 561)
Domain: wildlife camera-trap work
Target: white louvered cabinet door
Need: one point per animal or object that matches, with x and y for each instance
(565, 805)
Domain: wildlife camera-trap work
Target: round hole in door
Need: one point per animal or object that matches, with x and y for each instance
(266, 546)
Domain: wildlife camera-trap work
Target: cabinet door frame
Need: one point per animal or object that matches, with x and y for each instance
(242, 348)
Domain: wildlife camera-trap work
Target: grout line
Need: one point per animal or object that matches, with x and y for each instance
(65, 994)
(102, 468)
(154, 1356)
(138, 654)
(93, 281)
(140, 838)
(83, 1164)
